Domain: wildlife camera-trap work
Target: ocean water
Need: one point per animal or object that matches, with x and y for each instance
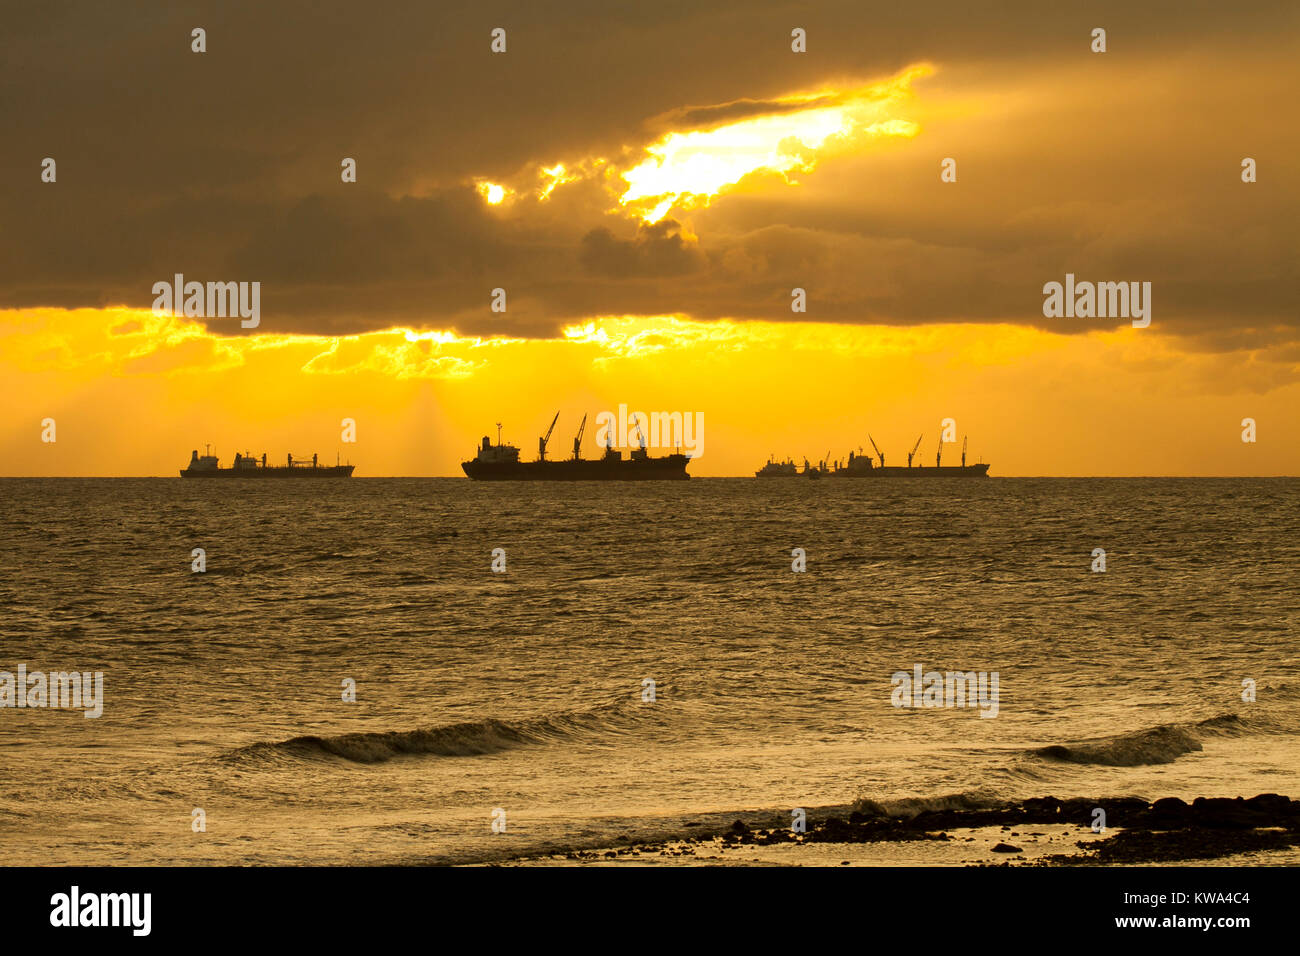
(523, 691)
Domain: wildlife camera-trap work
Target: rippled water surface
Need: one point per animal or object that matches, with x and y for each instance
(523, 691)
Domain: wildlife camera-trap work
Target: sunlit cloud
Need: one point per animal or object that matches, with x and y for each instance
(690, 166)
(640, 336)
(390, 357)
(554, 176)
(126, 342)
(492, 193)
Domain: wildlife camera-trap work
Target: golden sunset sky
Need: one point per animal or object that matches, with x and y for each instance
(648, 186)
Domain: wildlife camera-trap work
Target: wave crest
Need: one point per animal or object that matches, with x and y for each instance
(1154, 745)
(468, 739)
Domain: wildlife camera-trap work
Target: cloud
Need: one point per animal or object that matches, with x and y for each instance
(225, 165)
(658, 250)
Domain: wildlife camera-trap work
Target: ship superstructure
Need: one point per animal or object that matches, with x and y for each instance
(778, 469)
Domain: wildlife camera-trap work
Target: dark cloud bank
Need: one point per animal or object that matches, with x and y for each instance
(225, 165)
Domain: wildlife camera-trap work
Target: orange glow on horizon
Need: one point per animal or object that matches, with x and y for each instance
(133, 392)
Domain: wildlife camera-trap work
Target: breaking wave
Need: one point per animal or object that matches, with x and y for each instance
(908, 807)
(1155, 745)
(472, 738)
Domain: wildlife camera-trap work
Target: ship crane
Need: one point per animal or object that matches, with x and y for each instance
(878, 451)
(913, 451)
(577, 442)
(938, 452)
(541, 442)
(963, 451)
(639, 454)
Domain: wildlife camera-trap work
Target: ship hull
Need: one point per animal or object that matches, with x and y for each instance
(330, 471)
(668, 468)
(921, 471)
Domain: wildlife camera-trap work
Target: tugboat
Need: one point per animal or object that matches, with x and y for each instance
(500, 462)
(246, 466)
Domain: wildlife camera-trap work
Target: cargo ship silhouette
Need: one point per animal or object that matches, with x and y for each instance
(246, 466)
(500, 462)
(862, 466)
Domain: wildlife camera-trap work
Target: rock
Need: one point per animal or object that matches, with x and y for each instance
(1274, 804)
(835, 830)
(1048, 805)
(1007, 848)
(1230, 814)
(1167, 813)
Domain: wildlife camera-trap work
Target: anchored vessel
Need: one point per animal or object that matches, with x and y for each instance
(861, 466)
(500, 462)
(246, 466)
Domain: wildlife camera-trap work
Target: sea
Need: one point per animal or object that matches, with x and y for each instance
(432, 671)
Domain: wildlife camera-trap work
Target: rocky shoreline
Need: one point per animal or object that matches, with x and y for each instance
(1135, 831)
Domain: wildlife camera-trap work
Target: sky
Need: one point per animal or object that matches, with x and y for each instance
(648, 184)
